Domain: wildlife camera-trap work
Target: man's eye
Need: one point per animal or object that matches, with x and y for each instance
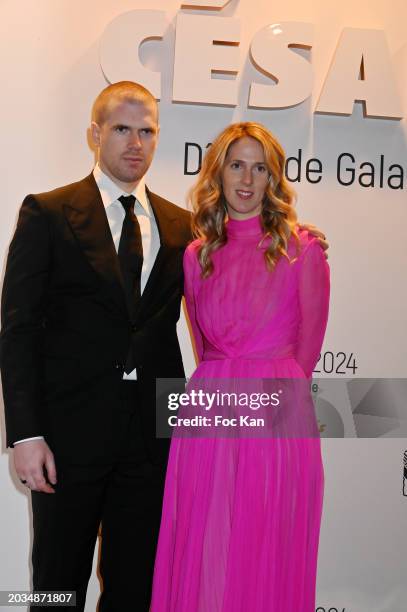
(147, 130)
(121, 129)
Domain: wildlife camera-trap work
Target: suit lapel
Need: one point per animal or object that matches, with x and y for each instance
(167, 224)
(86, 216)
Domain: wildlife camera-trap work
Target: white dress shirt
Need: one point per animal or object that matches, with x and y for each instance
(150, 237)
(115, 213)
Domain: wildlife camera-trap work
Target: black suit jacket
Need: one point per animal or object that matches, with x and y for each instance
(66, 331)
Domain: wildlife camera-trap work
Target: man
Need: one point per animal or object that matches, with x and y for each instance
(82, 342)
(90, 304)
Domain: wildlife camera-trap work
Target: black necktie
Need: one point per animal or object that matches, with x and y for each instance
(131, 254)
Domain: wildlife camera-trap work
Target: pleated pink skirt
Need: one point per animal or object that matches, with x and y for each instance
(241, 518)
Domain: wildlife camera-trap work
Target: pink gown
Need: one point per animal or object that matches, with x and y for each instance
(241, 517)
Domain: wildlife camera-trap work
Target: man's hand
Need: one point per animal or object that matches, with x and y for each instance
(312, 229)
(30, 458)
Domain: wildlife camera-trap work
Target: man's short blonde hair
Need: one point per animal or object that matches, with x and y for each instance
(123, 91)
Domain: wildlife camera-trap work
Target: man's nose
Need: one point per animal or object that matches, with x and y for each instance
(135, 141)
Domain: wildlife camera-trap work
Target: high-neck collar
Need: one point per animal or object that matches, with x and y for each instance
(244, 227)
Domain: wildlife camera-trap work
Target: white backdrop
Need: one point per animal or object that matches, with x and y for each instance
(51, 73)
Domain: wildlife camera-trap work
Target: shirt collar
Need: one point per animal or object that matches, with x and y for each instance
(110, 192)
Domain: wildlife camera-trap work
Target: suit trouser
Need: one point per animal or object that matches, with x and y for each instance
(125, 496)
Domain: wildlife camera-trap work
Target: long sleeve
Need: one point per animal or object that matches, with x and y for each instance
(191, 277)
(314, 305)
(22, 314)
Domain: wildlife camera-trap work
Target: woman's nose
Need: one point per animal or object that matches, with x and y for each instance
(247, 176)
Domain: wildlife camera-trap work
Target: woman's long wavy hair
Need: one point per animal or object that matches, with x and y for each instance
(278, 217)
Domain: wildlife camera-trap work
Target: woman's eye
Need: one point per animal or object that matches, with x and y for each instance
(261, 169)
(235, 165)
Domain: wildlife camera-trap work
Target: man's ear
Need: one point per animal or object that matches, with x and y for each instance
(95, 132)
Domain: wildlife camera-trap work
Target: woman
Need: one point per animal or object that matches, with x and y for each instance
(241, 517)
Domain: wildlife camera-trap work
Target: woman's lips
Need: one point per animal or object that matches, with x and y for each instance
(244, 195)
